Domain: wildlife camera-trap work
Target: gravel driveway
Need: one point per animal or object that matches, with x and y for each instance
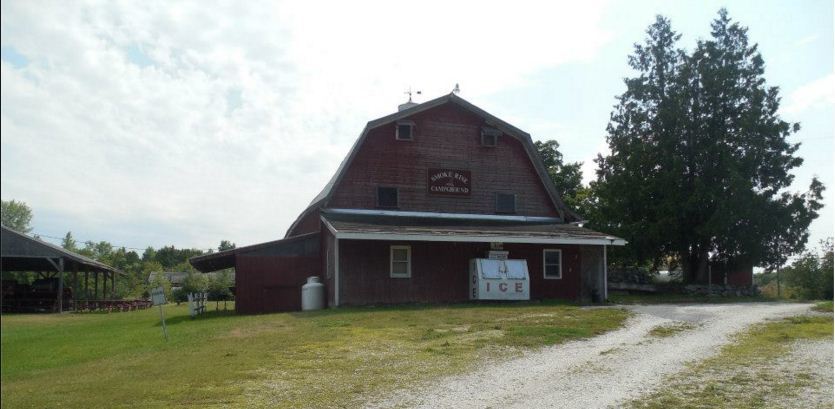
(602, 371)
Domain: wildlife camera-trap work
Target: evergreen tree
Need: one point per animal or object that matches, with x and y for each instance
(699, 160)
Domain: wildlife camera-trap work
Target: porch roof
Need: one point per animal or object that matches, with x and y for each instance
(368, 227)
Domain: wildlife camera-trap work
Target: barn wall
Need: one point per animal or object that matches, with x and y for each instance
(329, 265)
(310, 222)
(447, 137)
(440, 272)
(269, 279)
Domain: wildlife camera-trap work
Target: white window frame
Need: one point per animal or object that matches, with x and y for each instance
(545, 270)
(410, 124)
(408, 261)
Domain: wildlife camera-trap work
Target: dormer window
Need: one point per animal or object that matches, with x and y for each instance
(405, 131)
(490, 136)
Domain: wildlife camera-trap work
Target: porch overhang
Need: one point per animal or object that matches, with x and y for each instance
(425, 229)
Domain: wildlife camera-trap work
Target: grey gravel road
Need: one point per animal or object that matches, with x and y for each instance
(599, 372)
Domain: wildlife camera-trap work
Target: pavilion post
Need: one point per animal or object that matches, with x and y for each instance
(86, 286)
(96, 285)
(75, 287)
(112, 285)
(104, 285)
(60, 285)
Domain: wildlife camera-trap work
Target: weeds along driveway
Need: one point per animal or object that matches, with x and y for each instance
(600, 372)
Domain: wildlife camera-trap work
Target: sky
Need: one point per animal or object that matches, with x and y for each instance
(186, 123)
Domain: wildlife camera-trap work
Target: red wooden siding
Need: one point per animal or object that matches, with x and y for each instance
(272, 283)
(440, 272)
(308, 223)
(328, 255)
(446, 137)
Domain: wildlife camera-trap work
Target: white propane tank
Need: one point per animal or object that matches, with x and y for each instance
(313, 294)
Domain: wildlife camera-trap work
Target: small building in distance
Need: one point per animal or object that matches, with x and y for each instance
(177, 278)
(422, 195)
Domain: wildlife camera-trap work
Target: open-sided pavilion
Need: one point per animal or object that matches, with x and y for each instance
(19, 252)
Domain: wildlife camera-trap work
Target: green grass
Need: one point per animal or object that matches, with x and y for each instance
(668, 298)
(316, 359)
(823, 306)
(741, 376)
(668, 330)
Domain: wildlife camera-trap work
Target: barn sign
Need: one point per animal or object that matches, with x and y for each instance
(449, 182)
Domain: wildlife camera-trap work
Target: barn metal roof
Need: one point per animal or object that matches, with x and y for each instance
(304, 244)
(321, 200)
(19, 252)
(363, 227)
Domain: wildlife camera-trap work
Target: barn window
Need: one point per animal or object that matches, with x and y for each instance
(490, 136)
(387, 197)
(552, 264)
(505, 203)
(405, 130)
(401, 262)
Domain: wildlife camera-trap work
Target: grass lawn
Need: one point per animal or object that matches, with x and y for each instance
(316, 359)
(823, 306)
(747, 373)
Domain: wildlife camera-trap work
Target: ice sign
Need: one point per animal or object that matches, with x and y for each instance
(492, 279)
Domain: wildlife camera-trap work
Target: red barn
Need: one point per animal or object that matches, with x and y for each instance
(422, 193)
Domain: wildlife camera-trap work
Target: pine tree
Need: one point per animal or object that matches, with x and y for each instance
(700, 162)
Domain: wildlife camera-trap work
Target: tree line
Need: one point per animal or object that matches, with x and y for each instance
(137, 267)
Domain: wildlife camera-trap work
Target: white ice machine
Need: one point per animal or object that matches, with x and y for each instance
(499, 279)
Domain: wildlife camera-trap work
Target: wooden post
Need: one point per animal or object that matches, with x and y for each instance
(104, 286)
(86, 286)
(60, 285)
(112, 285)
(75, 288)
(96, 286)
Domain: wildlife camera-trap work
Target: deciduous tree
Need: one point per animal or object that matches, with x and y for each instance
(16, 215)
(567, 177)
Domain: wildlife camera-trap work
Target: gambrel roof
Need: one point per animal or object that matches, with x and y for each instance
(321, 200)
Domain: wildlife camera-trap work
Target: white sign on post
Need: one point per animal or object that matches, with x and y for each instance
(158, 298)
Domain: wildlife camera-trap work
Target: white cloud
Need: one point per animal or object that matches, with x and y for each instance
(820, 92)
(806, 40)
(222, 121)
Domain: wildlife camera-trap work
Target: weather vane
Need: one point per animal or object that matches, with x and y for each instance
(409, 93)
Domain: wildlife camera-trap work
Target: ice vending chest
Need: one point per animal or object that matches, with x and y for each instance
(499, 279)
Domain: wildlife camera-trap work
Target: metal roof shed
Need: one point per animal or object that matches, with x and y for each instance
(19, 252)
